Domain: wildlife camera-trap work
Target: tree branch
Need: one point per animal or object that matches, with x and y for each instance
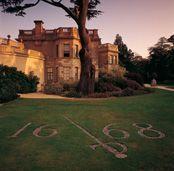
(66, 9)
(19, 10)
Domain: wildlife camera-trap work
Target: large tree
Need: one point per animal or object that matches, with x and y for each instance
(161, 57)
(125, 55)
(171, 39)
(80, 11)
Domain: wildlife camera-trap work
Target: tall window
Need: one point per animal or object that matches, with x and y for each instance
(76, 73)
(57, 50)
(66, 50)
(57, 75)
(112, 59)
(49, 74)
(76, 51)
(66, 73)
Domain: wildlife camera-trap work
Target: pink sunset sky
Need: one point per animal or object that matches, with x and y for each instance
(140, 22)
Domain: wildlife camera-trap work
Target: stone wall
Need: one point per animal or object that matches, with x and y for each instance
(108, 57)
(13, 54)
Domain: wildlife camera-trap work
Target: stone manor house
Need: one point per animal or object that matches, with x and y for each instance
(53, 54)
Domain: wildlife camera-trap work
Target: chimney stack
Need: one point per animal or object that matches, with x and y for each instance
(38, 27)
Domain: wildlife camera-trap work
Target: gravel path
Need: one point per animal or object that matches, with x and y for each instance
(39, 95)
(42, 96)
(47, 96)
(160, 87)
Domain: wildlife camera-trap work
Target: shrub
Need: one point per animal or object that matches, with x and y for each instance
(116, 93)
(23, 83)
(133, 85)
(117, 71)
(53, 89)
(13, 82)
(7, 90)
(70, 86)
(109, 83)
(73, 94)
(136, 77)
(104, 87)
(33, 82)
(127, 92)
(66, 87)
(120, 82)
(115, 81)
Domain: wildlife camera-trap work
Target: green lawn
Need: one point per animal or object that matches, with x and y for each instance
(170, 84)
(70, 148)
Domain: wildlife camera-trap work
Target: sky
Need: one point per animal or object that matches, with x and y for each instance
(140, 22)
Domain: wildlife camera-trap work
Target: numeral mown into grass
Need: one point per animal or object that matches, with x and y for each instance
(111, 147)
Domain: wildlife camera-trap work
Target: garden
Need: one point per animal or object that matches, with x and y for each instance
(126, 133)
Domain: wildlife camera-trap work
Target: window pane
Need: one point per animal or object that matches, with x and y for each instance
(110, 59)
(76, 73)
(57, 50)
(66, 47)
(76, 51)
(66, 50)
(49, 74)
(114, 60)
(66, 73)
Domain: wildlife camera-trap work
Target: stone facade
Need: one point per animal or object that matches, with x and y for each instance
(14, 54)
(108, 57)
(60, 48)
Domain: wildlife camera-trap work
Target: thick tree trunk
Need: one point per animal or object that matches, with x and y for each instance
(87, 76)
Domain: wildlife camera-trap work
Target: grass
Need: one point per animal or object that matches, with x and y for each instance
(168, 84)
(69, 149)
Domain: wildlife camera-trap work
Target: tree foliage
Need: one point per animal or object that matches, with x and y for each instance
(23, 83)
(125, 55)
(161, 59)
(19, 6)
(13, 82)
